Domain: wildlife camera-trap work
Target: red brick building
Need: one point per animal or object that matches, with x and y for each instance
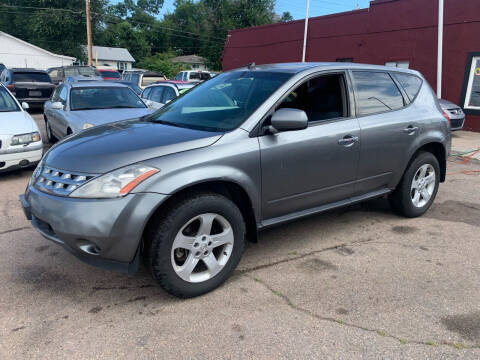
(397, 32)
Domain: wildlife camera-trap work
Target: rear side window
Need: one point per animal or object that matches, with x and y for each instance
(168, 94)
(410, 83)
(31, 77)
(375, 92)
(156, 95)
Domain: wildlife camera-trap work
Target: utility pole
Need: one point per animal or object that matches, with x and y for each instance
(89, 31)
(305, 32)
(440, 49)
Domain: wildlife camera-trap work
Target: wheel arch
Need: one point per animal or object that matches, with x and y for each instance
(439, 151)
(227, 188)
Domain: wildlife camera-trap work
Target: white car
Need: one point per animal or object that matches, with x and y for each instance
(20, 141)
(193, 76)
(157, 95)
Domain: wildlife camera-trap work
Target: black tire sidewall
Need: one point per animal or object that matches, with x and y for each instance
(409, 209)
(160, 255)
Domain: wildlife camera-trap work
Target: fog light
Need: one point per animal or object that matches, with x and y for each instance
(24, 162)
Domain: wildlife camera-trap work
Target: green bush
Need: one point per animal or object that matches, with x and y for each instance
(162, 62)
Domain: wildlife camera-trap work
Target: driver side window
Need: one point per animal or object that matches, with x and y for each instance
(322, 98)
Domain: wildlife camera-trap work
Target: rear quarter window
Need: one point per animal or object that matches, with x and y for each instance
(410, 83)
(375, 92)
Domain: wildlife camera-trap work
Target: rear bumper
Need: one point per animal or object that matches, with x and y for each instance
(101, 232)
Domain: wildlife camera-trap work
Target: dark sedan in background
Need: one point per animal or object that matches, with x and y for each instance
(28, 85)
(455, 114)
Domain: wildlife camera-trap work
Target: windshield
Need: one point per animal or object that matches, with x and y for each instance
(31, 77)
(6, 101)
(222, 103)
(92, 98)
(79, 71)
(110, 74)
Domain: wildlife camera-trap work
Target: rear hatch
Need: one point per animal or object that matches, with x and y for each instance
(31, 85)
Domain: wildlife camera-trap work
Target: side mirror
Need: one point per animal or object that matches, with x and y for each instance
(289, 120)
(57, 105)
(25, 106)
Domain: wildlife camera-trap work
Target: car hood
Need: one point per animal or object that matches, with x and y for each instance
(105, 116)
(16, 122)
(101, 149)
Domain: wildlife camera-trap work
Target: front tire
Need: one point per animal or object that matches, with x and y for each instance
(48, 129)
(196, 244)
(418, 188)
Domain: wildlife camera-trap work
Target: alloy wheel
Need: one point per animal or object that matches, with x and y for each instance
(423, 185)
(202, 247)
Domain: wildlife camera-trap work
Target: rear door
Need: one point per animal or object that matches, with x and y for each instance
(386, 130)
(317, 166)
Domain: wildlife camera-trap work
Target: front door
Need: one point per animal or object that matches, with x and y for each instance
(316, 166)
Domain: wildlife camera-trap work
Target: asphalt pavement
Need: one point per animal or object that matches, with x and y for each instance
(356, 283)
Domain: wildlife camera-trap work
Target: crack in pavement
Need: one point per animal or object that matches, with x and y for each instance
(301, 256)
(295, 307)
(13, 230)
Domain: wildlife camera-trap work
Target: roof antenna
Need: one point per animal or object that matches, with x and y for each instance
(251, 66)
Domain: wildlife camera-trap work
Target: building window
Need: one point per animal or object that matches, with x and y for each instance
(122, 66)
(344, 60)
(472, 98)
(398, 64)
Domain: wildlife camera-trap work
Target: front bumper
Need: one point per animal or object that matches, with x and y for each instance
(13, 159)
(102, 232)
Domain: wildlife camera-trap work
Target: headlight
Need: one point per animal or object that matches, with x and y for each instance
(26, 138)
(116, 183)
(87, 126)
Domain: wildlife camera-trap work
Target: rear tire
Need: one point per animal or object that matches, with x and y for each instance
(196, 244)
(419, 185)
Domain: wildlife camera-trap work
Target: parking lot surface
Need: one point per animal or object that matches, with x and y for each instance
(359, 282)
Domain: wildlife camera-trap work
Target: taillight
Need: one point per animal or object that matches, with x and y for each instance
(446, 116)
(10, 87)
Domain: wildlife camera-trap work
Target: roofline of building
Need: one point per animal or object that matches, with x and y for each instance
(38, 48)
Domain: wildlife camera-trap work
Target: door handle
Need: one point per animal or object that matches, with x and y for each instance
(348, 140)
(410, 130)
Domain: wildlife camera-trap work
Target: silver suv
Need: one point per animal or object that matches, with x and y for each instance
(249, 149)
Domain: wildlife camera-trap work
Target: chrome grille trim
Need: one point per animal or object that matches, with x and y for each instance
(60, 182)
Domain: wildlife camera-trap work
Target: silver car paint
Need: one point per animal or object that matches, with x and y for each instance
(286, 175)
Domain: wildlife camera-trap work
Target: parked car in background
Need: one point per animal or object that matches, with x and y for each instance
(193, 76)
(2, 67)
(20, 140)
(161, 93)
(455, 114)
(70, 79)
(59, 74)
(252, 148)
(138, 90)
(28, 85)
(143, 78)
(109, 74)
(78, 106)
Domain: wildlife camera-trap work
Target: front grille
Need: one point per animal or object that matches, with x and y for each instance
(60, 182)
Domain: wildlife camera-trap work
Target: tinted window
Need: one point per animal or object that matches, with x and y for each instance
(104, 98)
(31, 77)
(6, 101)
(110, 74)
(168, 94)
(179, 76)
(410, 83)
(156, 94)
(375, 92)
(321, 98)
(222, 103)
(195, 75)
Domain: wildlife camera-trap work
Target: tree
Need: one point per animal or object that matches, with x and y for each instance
(54, 30)
(162, 62)
(286, 16)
